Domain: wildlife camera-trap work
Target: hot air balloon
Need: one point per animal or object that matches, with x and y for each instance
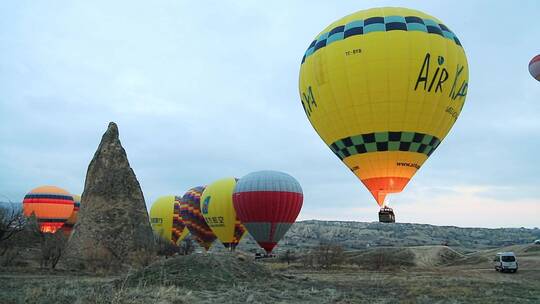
(190, 211)
(51, 205)
(165, 219)
(267, 203)
(534, 67)
(179, 229)
(382, 88)
(218, 211)
(67, 228)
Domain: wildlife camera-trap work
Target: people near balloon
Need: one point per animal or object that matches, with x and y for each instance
(267, 203)
(51, 206)
(165, 219)
(67, 228)
(192, 217)
(534, 67)
(383, 87)
(219, 213)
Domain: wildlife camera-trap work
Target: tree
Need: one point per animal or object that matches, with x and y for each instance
(12, 221)
(308, 259)
(165, 247)
(187, 246)
(52, 248)
(288, 256)
(52, 245)
(327, 255)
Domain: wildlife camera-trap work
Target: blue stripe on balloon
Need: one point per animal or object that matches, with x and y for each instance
(379, 24)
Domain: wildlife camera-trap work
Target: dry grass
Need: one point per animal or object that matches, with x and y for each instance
(231, 278)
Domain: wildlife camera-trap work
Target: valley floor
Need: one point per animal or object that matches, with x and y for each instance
(437, 285)
(440, 276)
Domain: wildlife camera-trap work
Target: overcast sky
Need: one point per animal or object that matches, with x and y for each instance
(204, 91)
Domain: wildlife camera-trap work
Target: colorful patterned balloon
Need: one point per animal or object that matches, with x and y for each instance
(190, 211)
(267, 203)
(179, 230)
(165, 219)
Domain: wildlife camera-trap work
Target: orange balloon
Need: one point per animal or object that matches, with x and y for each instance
(51, 205)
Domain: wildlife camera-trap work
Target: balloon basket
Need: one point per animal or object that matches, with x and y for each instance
(386, 215)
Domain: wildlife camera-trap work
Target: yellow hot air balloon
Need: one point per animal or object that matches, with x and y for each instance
(382, 87)
(219, 213)
(165, 219)
(70, 222)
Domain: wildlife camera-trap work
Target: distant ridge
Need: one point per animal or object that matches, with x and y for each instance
(361, 235)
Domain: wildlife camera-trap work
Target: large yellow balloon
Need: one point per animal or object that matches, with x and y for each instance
(166, 221)
(383, 87)
(218, 211)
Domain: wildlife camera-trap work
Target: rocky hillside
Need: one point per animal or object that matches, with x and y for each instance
(359, 235)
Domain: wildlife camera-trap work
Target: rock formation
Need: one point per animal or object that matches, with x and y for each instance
(113, 225)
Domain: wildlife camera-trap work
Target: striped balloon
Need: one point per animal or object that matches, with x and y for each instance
(165, 219)
(51, 205)
(534, 67)
(190, 211)
(68, 226)
(179, 231)
(267, 203)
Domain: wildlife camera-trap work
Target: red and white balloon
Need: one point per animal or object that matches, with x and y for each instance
(267, 203)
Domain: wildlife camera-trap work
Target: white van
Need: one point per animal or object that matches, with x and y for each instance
(505, 261)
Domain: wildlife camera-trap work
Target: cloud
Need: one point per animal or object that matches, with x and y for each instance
(461, 205)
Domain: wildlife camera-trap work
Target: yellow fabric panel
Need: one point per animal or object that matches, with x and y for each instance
(73, 217)
(161, 217)
(183, 235)
(218, 209)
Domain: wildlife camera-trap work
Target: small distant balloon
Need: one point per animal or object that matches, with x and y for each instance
(534, 67)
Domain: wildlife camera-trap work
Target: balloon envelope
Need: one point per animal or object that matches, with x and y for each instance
(51, 205)
(267, 203)
(190, 211)
(72, 219)
(219, 213)
(534, 67)
(382, 87)
(165, 219)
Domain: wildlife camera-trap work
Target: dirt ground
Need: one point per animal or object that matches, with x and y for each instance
(233, 279)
